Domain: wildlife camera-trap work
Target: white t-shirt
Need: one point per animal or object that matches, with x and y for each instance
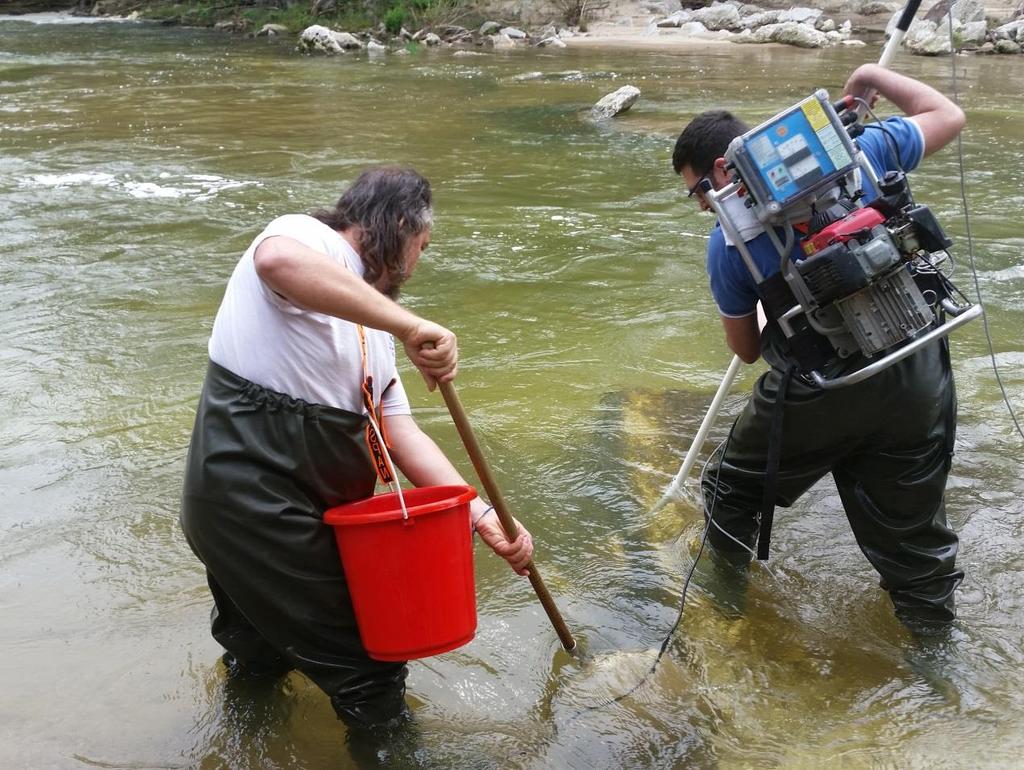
(266, 339)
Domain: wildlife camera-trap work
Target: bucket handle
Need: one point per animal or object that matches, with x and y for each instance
(393, 484)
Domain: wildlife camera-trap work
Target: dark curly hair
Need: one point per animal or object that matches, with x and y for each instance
(706, 139)
(389, 206)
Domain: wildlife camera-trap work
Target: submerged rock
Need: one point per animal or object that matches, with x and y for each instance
(271, 30)
(616, 102)
(501, 40)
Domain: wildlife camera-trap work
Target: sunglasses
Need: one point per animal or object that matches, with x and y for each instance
(697, 185)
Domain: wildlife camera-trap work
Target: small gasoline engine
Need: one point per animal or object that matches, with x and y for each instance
(870, 278)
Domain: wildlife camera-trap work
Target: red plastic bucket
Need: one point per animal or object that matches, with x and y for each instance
(411, 580)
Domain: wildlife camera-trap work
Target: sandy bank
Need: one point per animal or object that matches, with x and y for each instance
(617, 37)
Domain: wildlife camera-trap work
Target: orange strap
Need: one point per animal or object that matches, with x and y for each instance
(376, 415)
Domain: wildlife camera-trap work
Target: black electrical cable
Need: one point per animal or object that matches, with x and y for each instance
(890, 139)
(682, 599)
(970, 240)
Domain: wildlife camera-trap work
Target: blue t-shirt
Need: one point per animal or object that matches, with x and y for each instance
(733, 286)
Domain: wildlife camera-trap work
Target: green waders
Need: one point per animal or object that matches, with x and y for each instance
(888, 442)
(261, 470)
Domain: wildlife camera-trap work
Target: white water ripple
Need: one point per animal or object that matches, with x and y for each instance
(199, 187)
(64, 18)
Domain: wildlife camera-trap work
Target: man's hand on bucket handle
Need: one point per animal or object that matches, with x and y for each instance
(518, 553)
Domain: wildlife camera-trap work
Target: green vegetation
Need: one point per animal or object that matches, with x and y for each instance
(394, 19)
(296, 15)
(253, 14)
(423, 13)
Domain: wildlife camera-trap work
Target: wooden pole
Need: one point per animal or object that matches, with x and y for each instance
(483, 470)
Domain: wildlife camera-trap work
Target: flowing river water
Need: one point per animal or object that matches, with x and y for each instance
(137, 163)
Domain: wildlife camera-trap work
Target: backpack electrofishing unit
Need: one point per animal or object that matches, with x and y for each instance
(870, 279)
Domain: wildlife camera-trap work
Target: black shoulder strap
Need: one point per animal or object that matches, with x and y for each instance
(771, 477)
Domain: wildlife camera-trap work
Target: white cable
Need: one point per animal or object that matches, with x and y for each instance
(747, 548)
(970, 244)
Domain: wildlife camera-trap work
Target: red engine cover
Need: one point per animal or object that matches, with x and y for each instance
(853, 224)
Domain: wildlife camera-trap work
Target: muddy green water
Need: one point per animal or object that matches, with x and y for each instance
(136, 162)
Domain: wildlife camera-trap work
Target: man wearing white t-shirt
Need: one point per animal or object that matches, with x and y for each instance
(301, 352)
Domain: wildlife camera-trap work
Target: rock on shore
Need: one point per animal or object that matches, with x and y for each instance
(967, 23)
(975, 26)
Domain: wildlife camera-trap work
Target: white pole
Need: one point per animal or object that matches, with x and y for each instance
(698, 440)
(890, 47)
(902, 25)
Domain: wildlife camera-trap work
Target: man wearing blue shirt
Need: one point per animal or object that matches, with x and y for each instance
(888, 440)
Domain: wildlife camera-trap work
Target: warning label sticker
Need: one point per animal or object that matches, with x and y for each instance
(815, 114)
